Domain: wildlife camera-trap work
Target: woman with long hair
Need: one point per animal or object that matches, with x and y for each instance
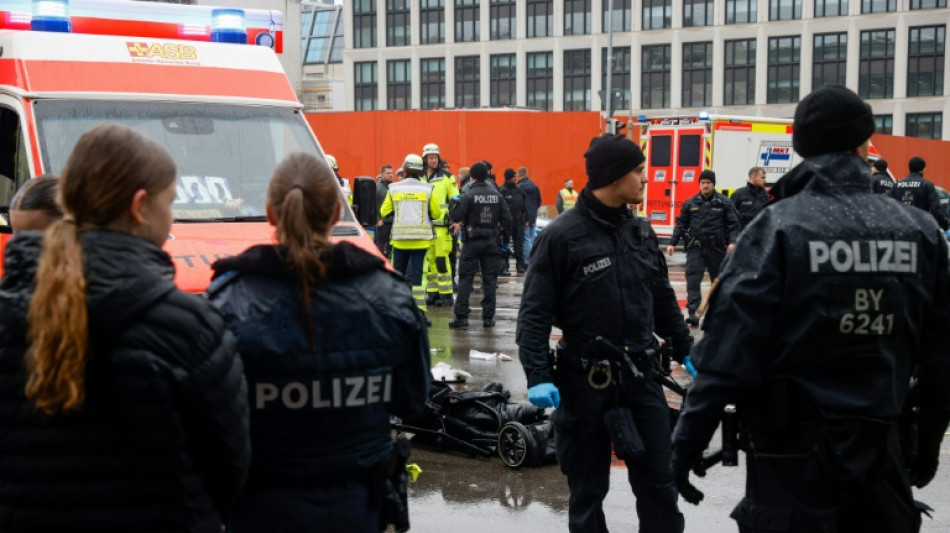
(122, 401)
(333, 344)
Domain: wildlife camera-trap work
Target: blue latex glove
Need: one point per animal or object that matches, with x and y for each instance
(457, 197)
(544, 395)
(688, 365)
(947, 234)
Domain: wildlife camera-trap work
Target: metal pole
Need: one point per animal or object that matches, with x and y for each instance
(610, 60)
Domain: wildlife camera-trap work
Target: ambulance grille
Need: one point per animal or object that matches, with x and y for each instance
(345, 231)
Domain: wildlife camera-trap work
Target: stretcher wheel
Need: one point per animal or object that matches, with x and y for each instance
(513, 444)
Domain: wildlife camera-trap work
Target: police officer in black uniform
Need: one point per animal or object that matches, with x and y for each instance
(813, 332)
(597, 271)
(514, 197)
(482, 213)
(752, 198)
(710, 226)
(881, 182)
(918, 191)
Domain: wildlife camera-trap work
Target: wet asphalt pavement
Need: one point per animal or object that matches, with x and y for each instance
(460, 494)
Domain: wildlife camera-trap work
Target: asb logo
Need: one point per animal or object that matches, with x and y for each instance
(145, 50)
(775, 154)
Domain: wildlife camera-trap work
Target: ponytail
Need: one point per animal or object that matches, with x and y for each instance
(58, 324)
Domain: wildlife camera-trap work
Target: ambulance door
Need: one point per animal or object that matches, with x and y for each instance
(689, 163)
(660, 176)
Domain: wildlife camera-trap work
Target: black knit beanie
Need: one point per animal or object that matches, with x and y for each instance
(509, 174)
(479, 171)
(880, 165)
(916, 164)
(609, 158)
(831, 119)
(708, 175)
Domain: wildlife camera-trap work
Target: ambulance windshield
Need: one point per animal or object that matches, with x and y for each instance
(225, 154)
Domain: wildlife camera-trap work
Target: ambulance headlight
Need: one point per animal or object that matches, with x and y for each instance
(51, 15)
(704, 115)
(227, 26)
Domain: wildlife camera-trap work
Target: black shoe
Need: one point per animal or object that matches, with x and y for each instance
(504, 274)
(459, 323)
(521, 270)
(692, 320)
(445, 300)
(432, 298)
(488, 323)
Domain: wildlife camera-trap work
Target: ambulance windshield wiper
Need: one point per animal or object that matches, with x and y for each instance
(241, 218)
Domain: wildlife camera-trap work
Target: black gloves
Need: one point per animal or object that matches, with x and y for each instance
(681, 348)
(680, 467)
(923, 470)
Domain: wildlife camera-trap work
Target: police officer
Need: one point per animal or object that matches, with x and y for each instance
(812, 333)
(566, 197)
(918, 191)
(881, 182)
(597, 271)
(751, 199)
(439, 270)
(709, 224)
(482, 213)
(514, 197)
(414, 207)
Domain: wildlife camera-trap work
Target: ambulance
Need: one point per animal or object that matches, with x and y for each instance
(204, 82)
(678, 148)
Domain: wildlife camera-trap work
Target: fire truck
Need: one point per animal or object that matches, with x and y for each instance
(204, 82)
(678, 148)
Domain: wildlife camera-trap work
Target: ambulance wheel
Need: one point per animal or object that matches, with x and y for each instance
(512, 444)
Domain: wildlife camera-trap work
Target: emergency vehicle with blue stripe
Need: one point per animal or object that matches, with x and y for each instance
(204, 82)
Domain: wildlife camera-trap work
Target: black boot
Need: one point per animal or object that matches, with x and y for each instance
(432, 298)
(488, 323)
(459, 323)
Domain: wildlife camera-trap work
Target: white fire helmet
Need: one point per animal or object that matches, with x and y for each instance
(429, 149)
(414, 165)
(332, 162)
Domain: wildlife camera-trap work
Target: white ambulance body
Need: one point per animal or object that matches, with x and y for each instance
(679, 148)
(226, 112)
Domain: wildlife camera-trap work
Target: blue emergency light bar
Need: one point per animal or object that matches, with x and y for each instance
(51, 15)
(227, 26)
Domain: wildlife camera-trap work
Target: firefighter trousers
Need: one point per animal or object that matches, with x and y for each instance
(439, 269)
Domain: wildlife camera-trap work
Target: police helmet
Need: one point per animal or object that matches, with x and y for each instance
(332, 162)
(414, 165)
(430, 149)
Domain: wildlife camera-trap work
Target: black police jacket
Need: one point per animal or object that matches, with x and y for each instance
(828, 300)
(483, 212)
(596, 271)
(919, 192)
(514, 197)
(161, 441)
(748, 201)
(712, 219)
(881, 183)
(321, 415)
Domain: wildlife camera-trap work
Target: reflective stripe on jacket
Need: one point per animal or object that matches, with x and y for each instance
(410, 199)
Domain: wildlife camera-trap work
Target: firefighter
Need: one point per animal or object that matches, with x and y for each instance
(751, 199)
(414, 207)
(439, 269)
(710, 226)
(918, 191)
(344, 184)
(597, 271)
(482, 213)
(831, 297)
(566, 197)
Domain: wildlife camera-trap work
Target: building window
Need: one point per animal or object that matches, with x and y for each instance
(925, 61)
(831, 8)
(876, 70)
(698, 13)
(782, 86)
(502, 19)
(432, 83)
(785, 9)
(364, 86)
(740, 72)
(655, 78)
(467, 23)
(321, 35)
(884, 124)
(829, 63)
(878, 6)
(741, 11)
(540, 80)
(467, 77)
(432, 21)
(540, 18)
(577, 80)
(620, 81)
(576, 17)
(503, 77)
(364, 23)
(697, 74)
(622, 16)
(657, 14)
(927, 4)
(925, 125)
(397, 22)
(398, 84)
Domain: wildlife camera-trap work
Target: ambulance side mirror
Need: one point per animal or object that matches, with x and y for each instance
(364, 201)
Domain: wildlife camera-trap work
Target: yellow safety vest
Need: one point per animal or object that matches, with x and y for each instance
(568, 198)
(411, 221)
(443, 187)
